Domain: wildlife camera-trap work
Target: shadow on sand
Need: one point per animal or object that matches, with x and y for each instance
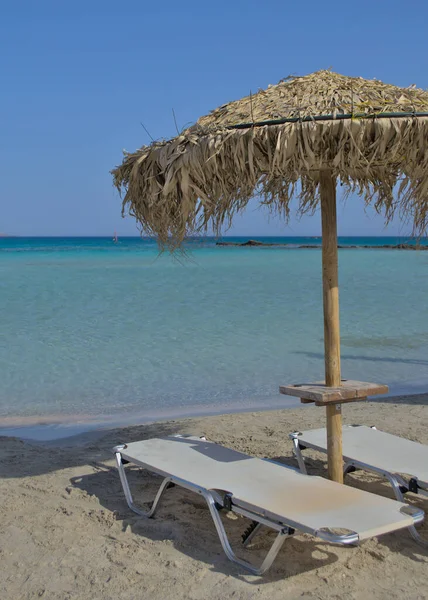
(184, 515)
(400, 541)
(183, 519)
(26, 458)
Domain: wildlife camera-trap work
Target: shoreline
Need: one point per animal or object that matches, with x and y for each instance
(57, 429)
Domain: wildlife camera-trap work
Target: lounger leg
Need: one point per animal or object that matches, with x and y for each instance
(128, 495)
(271, 555)
(395, 483)
(395, 486)
(298, 453)
(348, 468)
(417, 537)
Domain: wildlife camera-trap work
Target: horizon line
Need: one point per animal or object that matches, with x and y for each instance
(248, 236)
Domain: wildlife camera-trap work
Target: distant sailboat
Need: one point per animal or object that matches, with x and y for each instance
(115, 240)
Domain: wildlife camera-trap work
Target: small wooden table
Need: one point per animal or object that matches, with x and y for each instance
(318, 392)
(332, 397)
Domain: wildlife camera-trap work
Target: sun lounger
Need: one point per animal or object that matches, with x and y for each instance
(402, 462)
(267, 493)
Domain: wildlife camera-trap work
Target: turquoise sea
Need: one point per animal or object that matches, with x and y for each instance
(93, 331)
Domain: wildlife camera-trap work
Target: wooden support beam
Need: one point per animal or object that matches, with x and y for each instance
(330, 279)
(334, 442)
(331, 321)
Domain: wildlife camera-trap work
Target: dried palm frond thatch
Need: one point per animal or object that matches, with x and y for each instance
(373, 137)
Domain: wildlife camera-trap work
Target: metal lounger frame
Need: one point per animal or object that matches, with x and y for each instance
(399, 485)
(216, 500)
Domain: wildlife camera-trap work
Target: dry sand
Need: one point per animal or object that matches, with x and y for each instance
(66, 532)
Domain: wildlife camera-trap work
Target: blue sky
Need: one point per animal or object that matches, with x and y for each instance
(78, 78)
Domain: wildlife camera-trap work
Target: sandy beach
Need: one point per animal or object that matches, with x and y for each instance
(66, 532)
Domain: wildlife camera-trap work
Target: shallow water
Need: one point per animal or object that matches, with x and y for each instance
(92, 329)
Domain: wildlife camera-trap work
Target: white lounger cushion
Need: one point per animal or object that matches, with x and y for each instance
(271, 489)
(376, 448)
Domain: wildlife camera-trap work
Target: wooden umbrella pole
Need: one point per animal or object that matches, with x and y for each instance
(331, 321)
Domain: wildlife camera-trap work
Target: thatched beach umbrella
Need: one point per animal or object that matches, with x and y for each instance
(300, 136)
